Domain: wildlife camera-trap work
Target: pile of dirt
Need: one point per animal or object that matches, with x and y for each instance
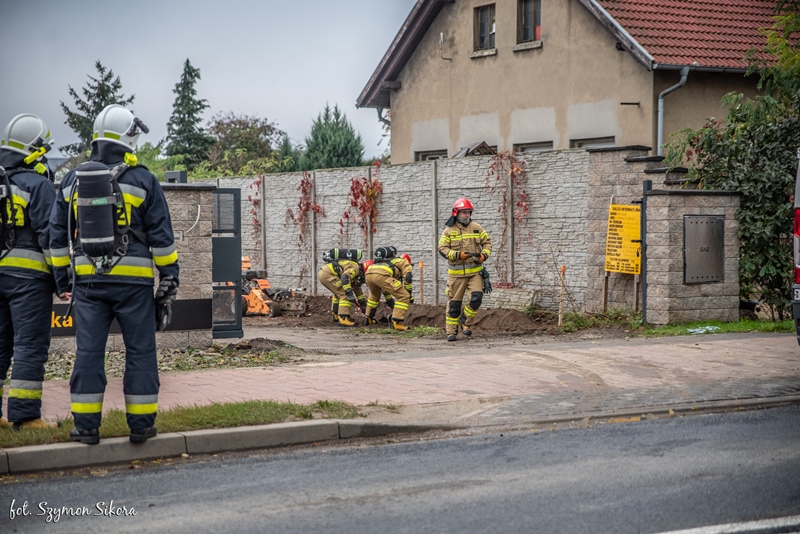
(492, 321)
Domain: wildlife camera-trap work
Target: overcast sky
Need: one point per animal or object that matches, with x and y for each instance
(279, 60)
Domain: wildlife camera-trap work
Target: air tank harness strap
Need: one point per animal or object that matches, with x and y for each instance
(8, 213)
(121, 232)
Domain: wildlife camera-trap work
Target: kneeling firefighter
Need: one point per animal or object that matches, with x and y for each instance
(466, 245)
(343, 276)
(112, 214)
(26, 278)
(390, 276)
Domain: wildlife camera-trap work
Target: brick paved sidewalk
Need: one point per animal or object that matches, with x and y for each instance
(552, 380)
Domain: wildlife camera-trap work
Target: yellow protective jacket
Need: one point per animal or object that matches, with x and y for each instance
(396, 268)
(348, 272)
(459, 238)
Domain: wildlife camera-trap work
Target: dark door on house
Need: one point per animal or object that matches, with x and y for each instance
(226, 249)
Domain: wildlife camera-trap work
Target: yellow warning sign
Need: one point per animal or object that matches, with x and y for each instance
(623, 251)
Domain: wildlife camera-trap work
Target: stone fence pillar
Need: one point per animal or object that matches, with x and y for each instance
(670, 298)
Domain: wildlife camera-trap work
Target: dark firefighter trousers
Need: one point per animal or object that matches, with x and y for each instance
(26, 307)
(133, 306)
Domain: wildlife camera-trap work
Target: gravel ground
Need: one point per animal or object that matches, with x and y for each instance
(248, 353)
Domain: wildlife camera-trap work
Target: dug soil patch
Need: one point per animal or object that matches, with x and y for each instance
(489, 322)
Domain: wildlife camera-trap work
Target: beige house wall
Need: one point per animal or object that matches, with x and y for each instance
(691, 105)
(570, 85)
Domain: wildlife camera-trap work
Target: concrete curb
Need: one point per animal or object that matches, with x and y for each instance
(254, 437)
(674, 409)
(120, 450)
(72, 455)
(57, 456)
(369, 429)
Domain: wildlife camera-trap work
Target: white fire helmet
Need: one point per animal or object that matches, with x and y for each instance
(118, 125)
(26, 133)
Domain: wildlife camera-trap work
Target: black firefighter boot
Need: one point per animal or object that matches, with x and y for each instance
(140, 435)
(462, 321)
(87, 436)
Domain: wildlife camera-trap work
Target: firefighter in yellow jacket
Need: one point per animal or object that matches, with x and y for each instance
(390, 276)
(343, 277)
(466, 245)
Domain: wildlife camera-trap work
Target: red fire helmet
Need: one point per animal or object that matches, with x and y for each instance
(461, 204)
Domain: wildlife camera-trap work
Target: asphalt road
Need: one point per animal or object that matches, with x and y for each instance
(639, 477)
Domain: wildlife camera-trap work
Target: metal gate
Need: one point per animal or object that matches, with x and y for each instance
(226, 271)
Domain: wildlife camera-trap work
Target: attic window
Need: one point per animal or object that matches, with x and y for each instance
(533, 147)
(529, 21)
(593, 142)
(428, 155)
(484, 27)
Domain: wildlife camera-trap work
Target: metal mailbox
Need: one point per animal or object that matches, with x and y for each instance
(703, 249)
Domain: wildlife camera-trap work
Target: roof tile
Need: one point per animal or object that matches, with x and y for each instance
(708, 33)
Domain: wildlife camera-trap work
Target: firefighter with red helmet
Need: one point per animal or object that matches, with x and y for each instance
(466, 245)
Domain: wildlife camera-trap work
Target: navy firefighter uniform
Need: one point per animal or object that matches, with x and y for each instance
(26, 279)
(118, 286)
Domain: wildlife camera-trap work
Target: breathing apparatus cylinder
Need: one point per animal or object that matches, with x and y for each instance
(352, 254)
(96, 207)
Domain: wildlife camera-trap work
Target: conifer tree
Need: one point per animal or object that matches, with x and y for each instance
(333, 143)
(185, 136)
(98, 93)
(288, 155)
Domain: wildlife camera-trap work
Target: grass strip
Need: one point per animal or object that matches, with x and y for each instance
(185, 418)
(414, 331)
(719, 327)
(573, 322)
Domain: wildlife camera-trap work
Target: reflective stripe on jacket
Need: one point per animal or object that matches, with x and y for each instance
(457, 239)
(348, 272)
(396, 268)
(32, 196)
(147, 215)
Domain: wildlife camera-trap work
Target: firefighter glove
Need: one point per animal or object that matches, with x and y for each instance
(350, 295)
(464, 256)
(487, 285)
(479, 257)
(165, 295)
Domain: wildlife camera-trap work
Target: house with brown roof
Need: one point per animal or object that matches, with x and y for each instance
(533, 75)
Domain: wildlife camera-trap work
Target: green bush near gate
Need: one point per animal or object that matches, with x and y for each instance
(754, 151)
